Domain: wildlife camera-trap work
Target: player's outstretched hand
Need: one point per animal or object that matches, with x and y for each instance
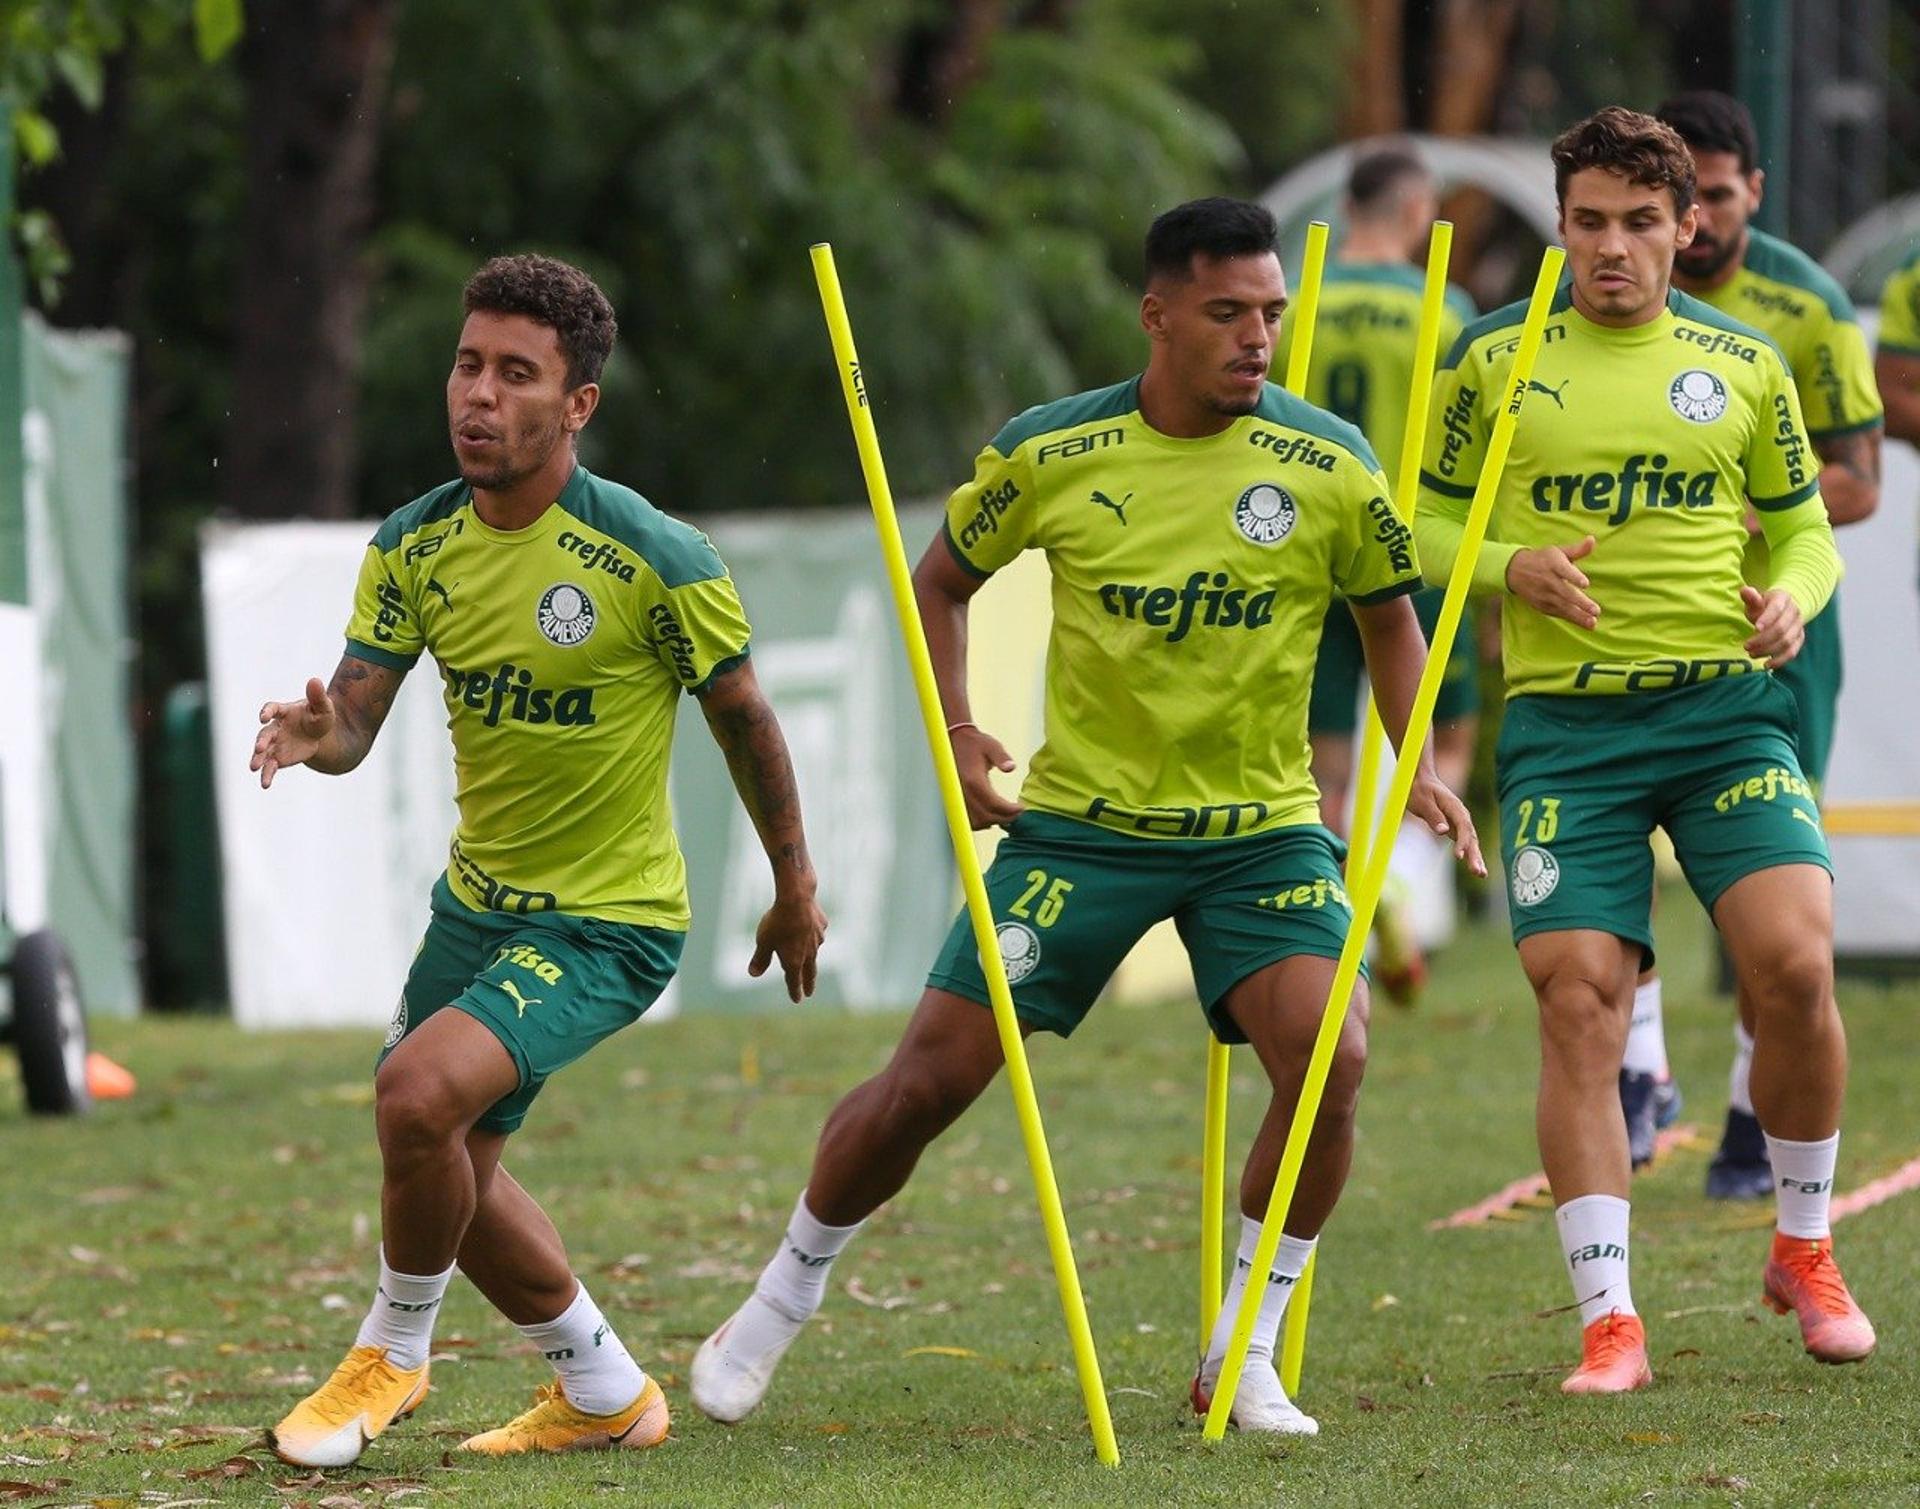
(793, 928)
(293, 733)
(1778, 631)
(1547, 580)
(976, 754)
(1447, 815)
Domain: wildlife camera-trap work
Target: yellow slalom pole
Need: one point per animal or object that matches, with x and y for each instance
(1406, 492)
(1019, 1077)
(1367, 895)
(1426, 347)
(1213, 1149)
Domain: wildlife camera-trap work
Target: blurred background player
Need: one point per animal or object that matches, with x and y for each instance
(1762, 281)
(1196, 520)
(1896, 361)
(563, 911)
(1634, 652)
(1362, 369)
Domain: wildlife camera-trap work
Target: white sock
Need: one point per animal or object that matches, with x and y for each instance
(1647, 1037)
(1803, 1184)
(1593, 1239)
(401, 1317)
(600, 1376)
(1739, 1095)
(795, 1280)
(1289, 1262)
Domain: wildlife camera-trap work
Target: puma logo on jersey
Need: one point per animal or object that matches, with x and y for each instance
(520, 1002)
(445, 595)
(1119, 509)
(1554, 393)
(1642, 480)
(1211, 600)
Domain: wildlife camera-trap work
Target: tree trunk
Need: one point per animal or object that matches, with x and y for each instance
(316, 74)
(1376, 106)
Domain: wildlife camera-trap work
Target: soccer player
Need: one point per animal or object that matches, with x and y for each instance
(1196, 520)
(567, 615)
(1783, 293)
(1362, 368)
(1896, 363)
(1636, 661)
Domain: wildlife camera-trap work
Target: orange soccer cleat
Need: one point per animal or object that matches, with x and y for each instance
(1802, 1276)
(553, 1424)
(1613, 1357)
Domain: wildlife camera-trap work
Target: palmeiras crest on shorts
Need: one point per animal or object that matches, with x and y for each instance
(1698, 395)
(398, 1028)
(565, 615)
(1265, 513)
(1019, 950)
(1536, 874)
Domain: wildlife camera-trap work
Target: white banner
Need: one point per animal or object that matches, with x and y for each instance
(24, 807)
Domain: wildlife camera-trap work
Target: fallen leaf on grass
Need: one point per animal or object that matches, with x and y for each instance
(233, 1467)
(1762, 1417)
(833, 1428)
(13, 1489)
(939, 1352)
(860, 1295)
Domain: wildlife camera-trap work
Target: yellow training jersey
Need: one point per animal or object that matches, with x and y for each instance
(1652, 439)
(563, 648)
(1190, 578)
(1900, 310)
(1363, 342)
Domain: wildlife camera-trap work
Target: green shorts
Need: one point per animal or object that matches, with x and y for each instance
(1814, 677)
(548, 985)
(1341, 663)
(1584, 781)
(1070, 899)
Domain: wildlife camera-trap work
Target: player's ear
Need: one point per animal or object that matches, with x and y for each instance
(1757, 186)
(1153, 315)
(581, 402)
(1689, 223)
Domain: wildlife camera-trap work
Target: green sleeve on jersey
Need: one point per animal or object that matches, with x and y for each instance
(698, 629)
(1377, 560)
(384, 628)
(990, 520)
(1900, 312)
(1458, 427)
(1803, 557)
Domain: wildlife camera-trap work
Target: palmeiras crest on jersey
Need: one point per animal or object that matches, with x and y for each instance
(398, 1028)
(565, 615)
(1536, 874)
(1265, 513)
(1019, 950)
(1698, 395)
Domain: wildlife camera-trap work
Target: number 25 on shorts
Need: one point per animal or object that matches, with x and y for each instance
(1051, 904)
(1545, 831)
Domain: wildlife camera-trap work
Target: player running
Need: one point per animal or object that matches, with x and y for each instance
(567, 615)
(1635, 661)
(1362, 369)
(1781, 292)
(1196, 520)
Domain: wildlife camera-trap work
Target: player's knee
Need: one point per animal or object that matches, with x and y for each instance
(1349, 1066)
(1795, 977)
(414, 1109)
(1577, 1012)
(921, 1099)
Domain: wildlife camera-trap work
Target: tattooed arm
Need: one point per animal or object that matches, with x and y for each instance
(332, 729)
(747, 732)
(1850, 474)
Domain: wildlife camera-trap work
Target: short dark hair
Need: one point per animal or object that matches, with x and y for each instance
(1639, 148)
(1215, 227)
(555, 294)
(1377, 175)
(1709, 121)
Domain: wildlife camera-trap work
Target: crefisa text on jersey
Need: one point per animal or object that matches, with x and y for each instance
(596, 555)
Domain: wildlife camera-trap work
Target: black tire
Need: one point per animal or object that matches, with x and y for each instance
(49, 1027)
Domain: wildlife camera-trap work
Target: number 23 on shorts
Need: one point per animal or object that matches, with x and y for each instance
(1051, 904)
(1547, 810)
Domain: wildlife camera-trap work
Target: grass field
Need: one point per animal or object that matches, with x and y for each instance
(178, 1269)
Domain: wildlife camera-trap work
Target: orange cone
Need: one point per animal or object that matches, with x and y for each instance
(106, 1080)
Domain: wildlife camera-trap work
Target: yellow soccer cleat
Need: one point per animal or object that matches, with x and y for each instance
(333, 1424)
(555, 1425)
